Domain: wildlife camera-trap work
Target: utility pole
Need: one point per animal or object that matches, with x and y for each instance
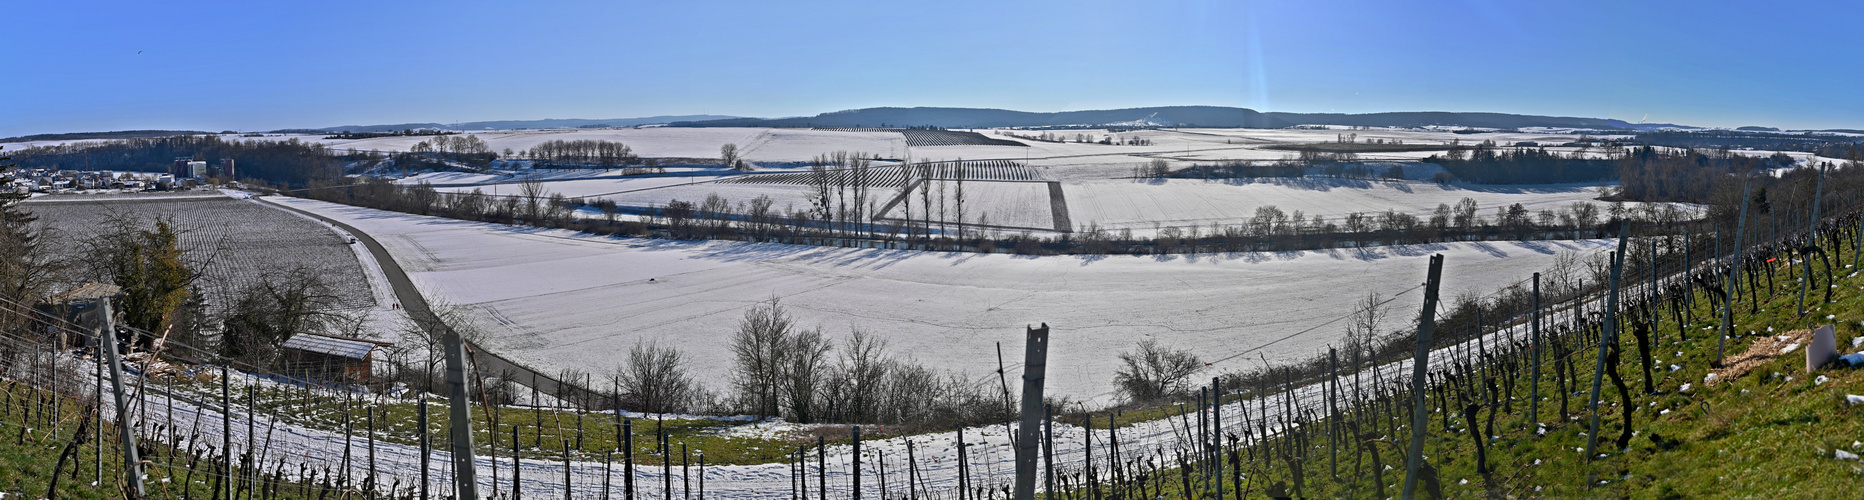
(132, 464)
(1420, 366)
(465, 478)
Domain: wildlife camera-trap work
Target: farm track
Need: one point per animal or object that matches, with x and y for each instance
(1058, 206)
(418, 310)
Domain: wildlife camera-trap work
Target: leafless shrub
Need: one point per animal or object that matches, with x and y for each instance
(655, 380)
(1154, 372)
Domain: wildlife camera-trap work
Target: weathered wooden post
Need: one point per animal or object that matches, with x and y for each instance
(1029, 432)
(132, 464)
(226, 426)
(1734, 275)
(517, 467)
(856, 480)
(1420, 365)
(1048, 451)
(1533, 391)
(1857, 243)
(98, 436)
(822, 466)
(465, 477)
(963, 476)
(666, 459)
(427, 444)
(627, 457)
(1812, 238)
(1606, 338)
(1216, 429)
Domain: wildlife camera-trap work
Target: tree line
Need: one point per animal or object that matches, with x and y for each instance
(289, 162)
(583, 152)
(1300, 166)
(1487, 164)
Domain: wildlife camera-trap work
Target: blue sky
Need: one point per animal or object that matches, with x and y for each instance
(76, 66)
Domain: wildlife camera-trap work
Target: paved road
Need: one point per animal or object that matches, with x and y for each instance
(415, 304)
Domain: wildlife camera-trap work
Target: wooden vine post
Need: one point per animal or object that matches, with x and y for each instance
(1420, 366)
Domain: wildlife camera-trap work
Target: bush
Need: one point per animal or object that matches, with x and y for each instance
(1154, 372)
(654, 380)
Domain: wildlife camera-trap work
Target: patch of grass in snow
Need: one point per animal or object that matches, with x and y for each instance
(542, 433)
(32, 435)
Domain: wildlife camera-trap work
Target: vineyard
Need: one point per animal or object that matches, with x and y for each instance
(232, 243)
(893, 177)
(923, 138)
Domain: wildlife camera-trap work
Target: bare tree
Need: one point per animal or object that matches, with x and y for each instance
(281, 304)
(1367, 320)
(728, 155)
(1465, 213)
(864, 367)
(958, 197)
(1158, 167)
(532, 192)
(680, 217)
(807, 356)
(858, 171)
(760, 357)
(655, 379)
(906, 195)
(716, 211)
(1154, 372)
(759, 215)
(821, 184)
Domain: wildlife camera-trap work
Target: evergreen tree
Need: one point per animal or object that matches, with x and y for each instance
(153, 277)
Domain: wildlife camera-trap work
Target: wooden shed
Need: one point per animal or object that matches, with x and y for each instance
(77, 309)
(325, 357)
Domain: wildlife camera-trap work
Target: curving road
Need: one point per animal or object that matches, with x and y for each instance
(416, 306)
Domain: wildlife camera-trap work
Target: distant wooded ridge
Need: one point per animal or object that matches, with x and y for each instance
(935, 117)
(1203, 116)
(512, 124)
(119, 134)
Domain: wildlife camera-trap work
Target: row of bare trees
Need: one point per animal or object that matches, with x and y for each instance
(783, 369)
(605, 154)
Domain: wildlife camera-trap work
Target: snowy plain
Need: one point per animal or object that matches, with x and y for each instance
(558, 299)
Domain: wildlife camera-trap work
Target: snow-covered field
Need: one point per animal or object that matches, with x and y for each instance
(1143, 204)
(558, 299)
(755, 144)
